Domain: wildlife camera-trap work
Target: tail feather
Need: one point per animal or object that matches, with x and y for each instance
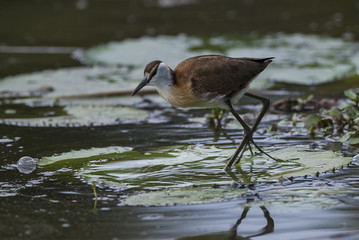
(265, 61)
(268, 59)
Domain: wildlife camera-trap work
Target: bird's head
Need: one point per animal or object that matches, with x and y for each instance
(155, 74)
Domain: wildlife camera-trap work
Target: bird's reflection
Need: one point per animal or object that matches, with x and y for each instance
(265, 230)
(233, 233)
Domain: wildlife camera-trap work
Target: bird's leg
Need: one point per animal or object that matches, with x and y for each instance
(240, 149)
(248, 132)
(266, 105)
(246, 138)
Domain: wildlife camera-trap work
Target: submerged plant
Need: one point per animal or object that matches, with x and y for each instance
(217, 118)
(342, 121)
(302, 102)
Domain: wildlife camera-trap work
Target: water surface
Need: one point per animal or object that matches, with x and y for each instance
(60, 204)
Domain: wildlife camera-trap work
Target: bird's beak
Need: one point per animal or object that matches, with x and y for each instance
(141, 85)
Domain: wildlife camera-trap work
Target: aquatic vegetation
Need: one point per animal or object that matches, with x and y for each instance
(86, 97)
(341, 121)
(69, 98)
(67, 95)
(77, 158)
(289, 199)
(84, 115)
(217, 118)
(300, 59)
(308, 161)
(190, 195)
(301, 198)
(185, 166)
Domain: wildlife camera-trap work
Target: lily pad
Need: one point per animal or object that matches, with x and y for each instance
(84, 115)
(300, 59)
(67, 82)
(184, 196)
(147, 49)
(65, 101)
(301, 198)
(180, 166)
(185, 166)
(304, 162)
(78, 157)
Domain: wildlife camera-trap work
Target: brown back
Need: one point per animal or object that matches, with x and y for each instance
(219, 75)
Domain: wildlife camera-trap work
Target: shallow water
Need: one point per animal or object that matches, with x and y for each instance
(60, 203)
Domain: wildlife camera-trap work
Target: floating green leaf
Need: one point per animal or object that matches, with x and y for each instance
(179, 166)
(61, 98)
(300, 59)
(184, 166)
(69, 81)
(302, 198)
(85, 115)
(76, 158)
(146, 49)
(308, 161)
(188, 195)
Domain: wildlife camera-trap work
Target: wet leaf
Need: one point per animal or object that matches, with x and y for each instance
(70, 81)
(346, 136)
(354, 140)
(180, 166)
(308, 161)
(352, 111)
(302, 198)
(351, 137)
(65, 102)
(351, 95)
(184, 196)
(300, 59)
(147, 49)
(334, 113)
(76, 158)
(184, 166)
(85, 115)
(312, 120)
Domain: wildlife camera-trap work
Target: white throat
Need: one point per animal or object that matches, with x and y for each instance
(162, 80)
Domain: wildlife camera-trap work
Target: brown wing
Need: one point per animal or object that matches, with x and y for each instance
(219, 75)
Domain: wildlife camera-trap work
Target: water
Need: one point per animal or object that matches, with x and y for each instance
(60, 204)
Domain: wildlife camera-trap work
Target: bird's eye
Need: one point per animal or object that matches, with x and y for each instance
(154, 70)
(152, 73)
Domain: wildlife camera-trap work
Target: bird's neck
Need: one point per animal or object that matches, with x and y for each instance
(164, 81)
(164, 78)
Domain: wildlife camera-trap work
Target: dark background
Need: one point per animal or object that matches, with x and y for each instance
(85, 23)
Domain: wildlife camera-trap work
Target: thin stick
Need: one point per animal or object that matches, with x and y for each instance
(109, 94)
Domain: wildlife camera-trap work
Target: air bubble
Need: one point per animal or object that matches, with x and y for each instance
(26, 164)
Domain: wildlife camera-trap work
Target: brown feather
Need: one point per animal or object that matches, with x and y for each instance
(207, 80)
(218, 75)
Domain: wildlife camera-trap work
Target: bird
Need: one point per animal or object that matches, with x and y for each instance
(210, 81)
